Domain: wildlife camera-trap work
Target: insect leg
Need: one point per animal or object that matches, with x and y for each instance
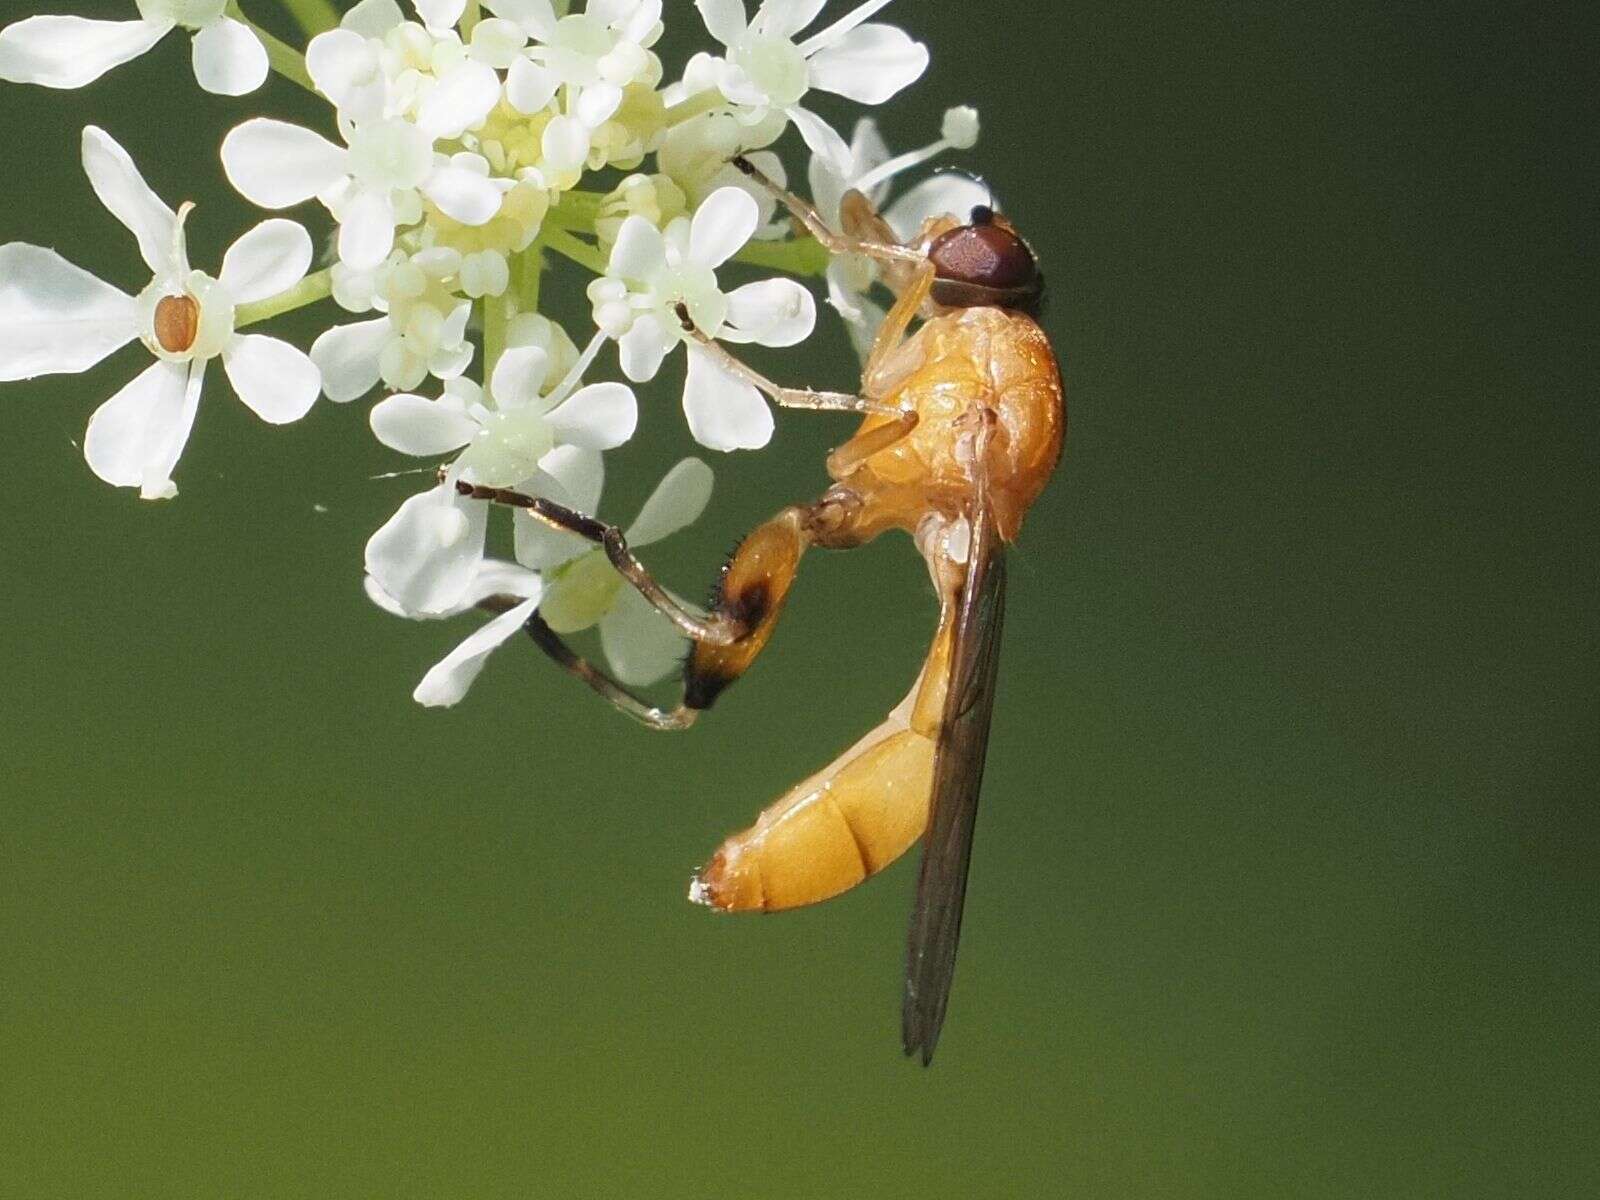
(848, 457)
(807, 215)
(720, 631)
(786, 397)
(623, 699)
(879, 373)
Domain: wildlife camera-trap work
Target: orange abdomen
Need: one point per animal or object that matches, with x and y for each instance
(844, 824)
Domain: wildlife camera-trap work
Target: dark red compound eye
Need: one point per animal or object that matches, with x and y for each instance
(988, 255)
(985, 264)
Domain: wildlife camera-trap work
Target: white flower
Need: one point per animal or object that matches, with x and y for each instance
(596, 54)
(871, 171)
(426, 556)
(424, 332)
(57, 319)
(765, 68)
(651, 273)
(376, 66)
(447, 683)
(583, 590)
(570, 583)
(697, 156)
(71, 52)
(371, 187)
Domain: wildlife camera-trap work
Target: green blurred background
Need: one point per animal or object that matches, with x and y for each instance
(1285, 882)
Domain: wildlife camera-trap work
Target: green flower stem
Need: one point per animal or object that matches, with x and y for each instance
(577, 210)
(283, 58)
(580, 252)
(527, 273)
(469, 20)
(798, 256)
(695, 106)
(308, 291)
(497, 314)
(314, 16)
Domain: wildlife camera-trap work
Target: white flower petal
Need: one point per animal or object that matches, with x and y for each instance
(373, 18)
(832, 33)
(497, 42)
(530, 87)
(347, 356)
(869, 64)
(601, 416)
(867, 150)
(135, 438)
(56, 318)
(821, 138)
(382, 599)
(129, 198)
(572, 476)
(427, 555)
(70, 52)
(460, 100)
(278, 382)
(785, 18)
(597, 103)
(535, 16)
(424, 428)
(722, 225)
(447, 683)
(862, 317)
(632, 19)
(677, 502)
(644, 347)
(345, 67)
(519, 376)
(271, 258)
(229, 60)
(565, 145)
(771, 312)
(366, 229)
(463, 194)
(579, 473)
(639, 251)
(277, 165)
(495, 577)
(942, 195)
(640, 644)
(724, 19)
(440, 15)
(724, 412)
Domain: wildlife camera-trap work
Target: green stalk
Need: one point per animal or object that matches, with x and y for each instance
(580, 252)
(497, 314)
(282, 57)
(308, 291)
(528, 271)
(314, 16)
(469, 20)
(798, 256)
(577, 210)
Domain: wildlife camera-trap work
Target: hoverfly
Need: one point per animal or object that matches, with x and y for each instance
(964, 422)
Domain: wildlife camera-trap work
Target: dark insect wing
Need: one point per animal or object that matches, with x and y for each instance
(957, 777)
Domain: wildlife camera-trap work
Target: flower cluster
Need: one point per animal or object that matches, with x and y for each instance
(475, 153)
